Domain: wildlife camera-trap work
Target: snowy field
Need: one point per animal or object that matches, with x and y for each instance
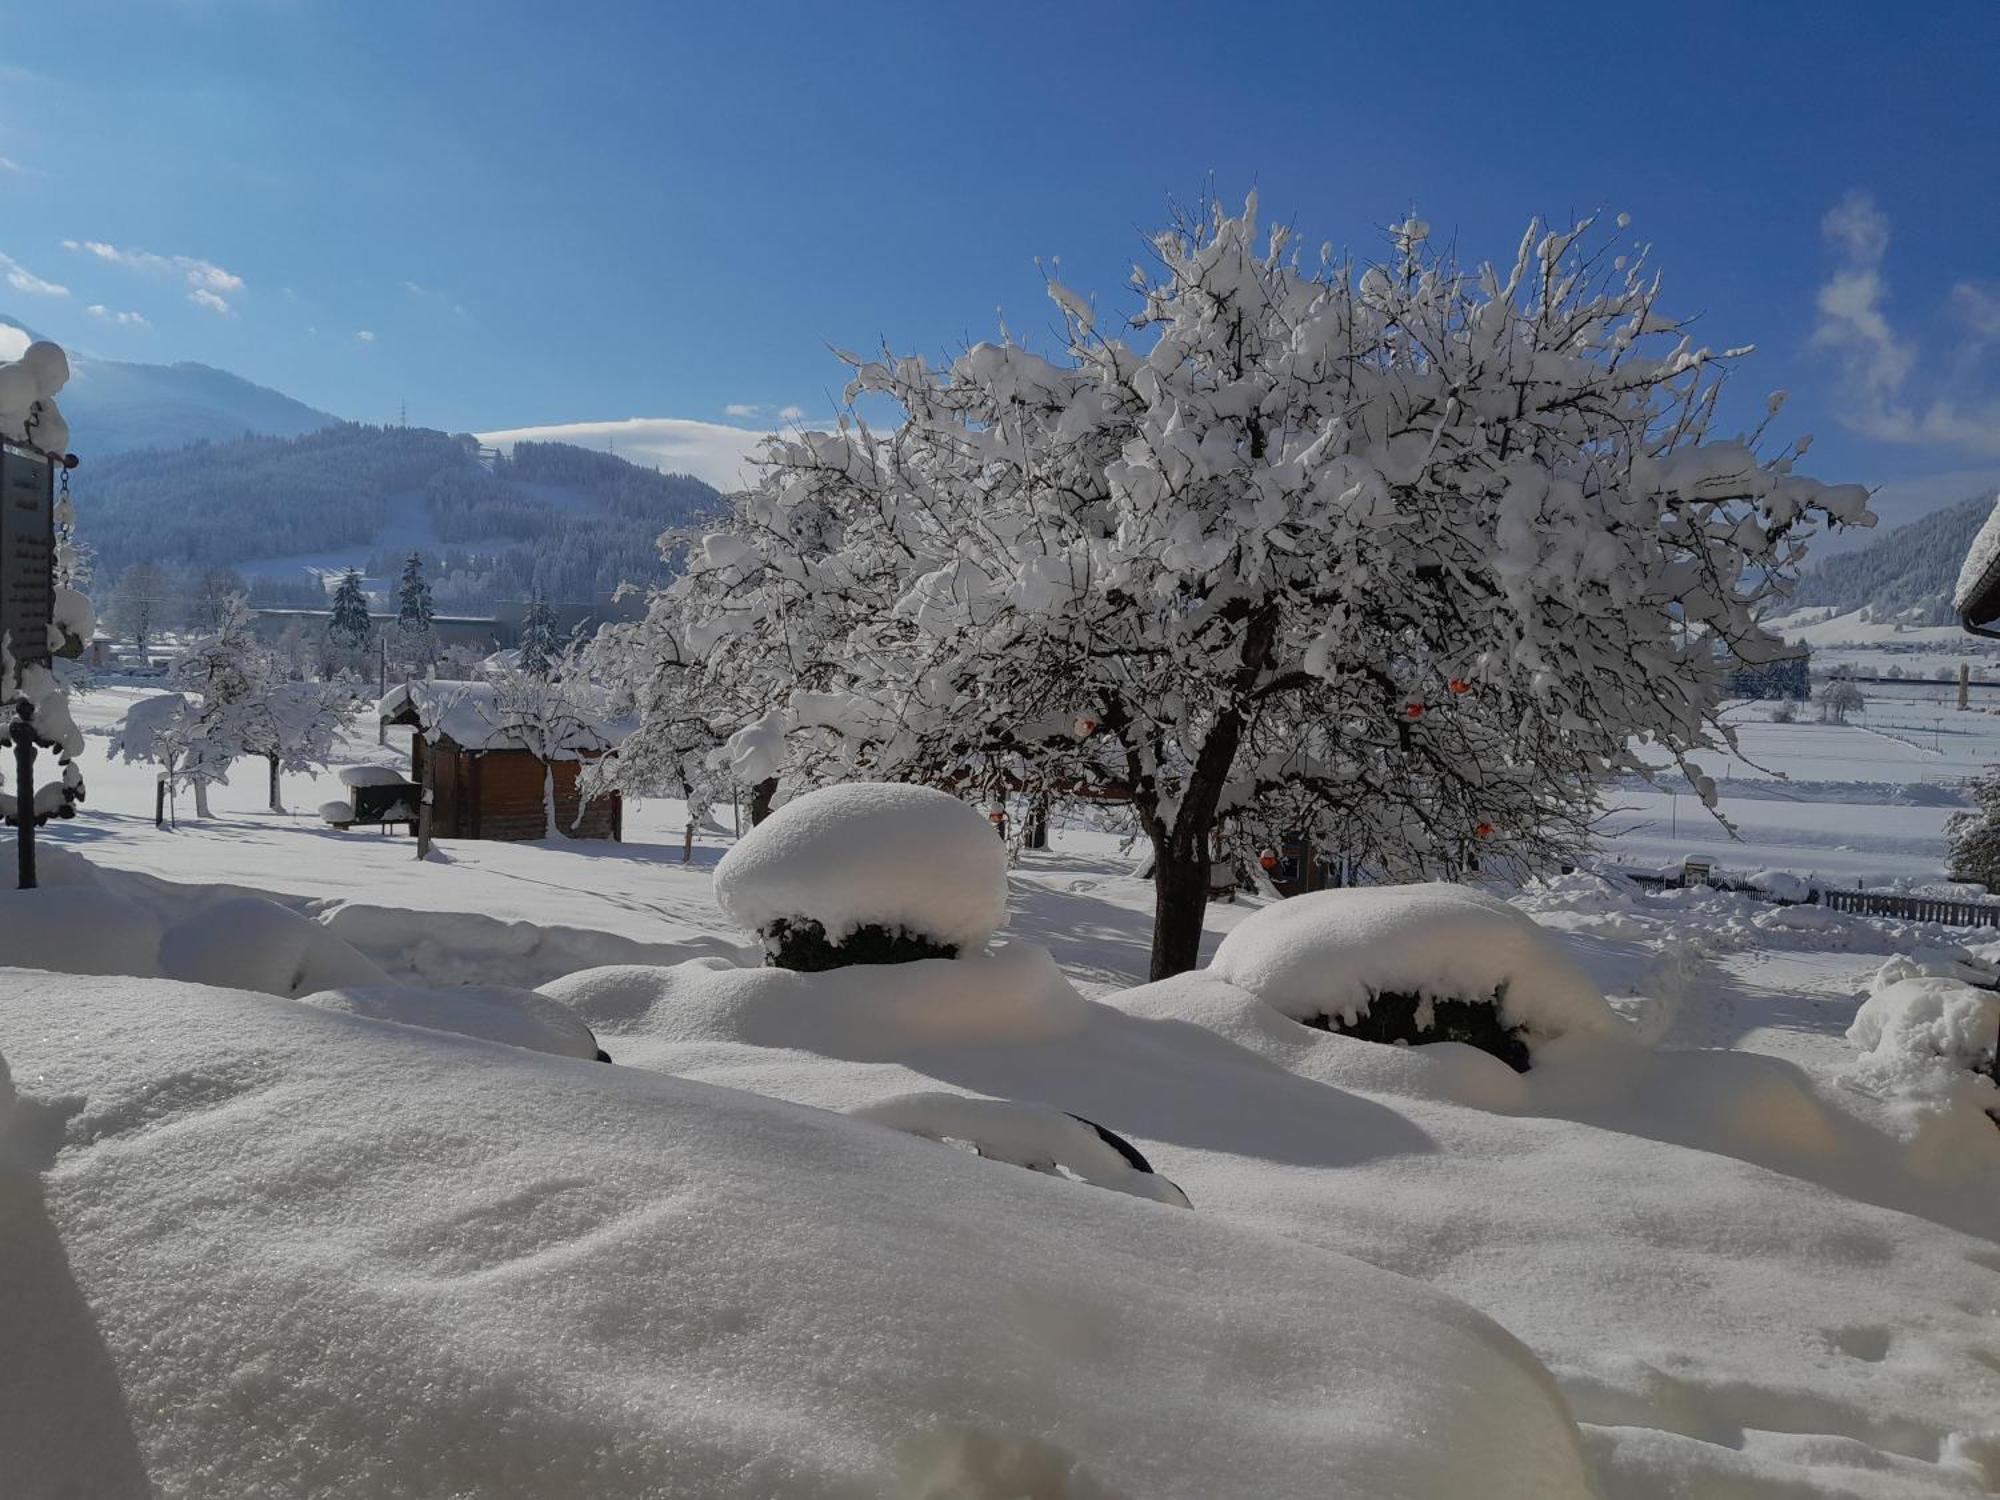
(277, 1249)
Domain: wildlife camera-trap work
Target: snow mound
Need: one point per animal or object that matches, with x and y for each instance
(1034, 1136)
(1329, 953)
(1937, 963)
(493, 1013)
(871, 853)
(1928, 1017)
(248, 943)
(359, 776)
(28, 386)
(336, 811)
(866, 1012)
(429, 1278)
(77, 929)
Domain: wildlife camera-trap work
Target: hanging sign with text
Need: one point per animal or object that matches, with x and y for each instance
(27, 553)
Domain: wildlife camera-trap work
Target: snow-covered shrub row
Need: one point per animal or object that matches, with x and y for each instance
(493, 1013)
(866, 873)
(443, 1279)
(1416, 963)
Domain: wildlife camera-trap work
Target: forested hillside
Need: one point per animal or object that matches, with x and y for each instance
(1912, 567)
(569, 523)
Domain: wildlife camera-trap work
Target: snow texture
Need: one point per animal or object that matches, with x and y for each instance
(475, 716)
(493, 1013)
(360, 776)
(28, 388)
(1026, 1135)
(248, 943)
(79, 929)
(880, 853)
(1980, 560)
(1329, 953)
(534, 1275)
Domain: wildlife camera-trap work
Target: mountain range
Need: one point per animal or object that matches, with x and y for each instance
(1909, 572)
(118, 405)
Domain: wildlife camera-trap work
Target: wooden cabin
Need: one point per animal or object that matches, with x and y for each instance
(486, 763)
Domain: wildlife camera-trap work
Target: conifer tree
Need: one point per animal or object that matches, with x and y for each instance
(539, 646)
(348, 627)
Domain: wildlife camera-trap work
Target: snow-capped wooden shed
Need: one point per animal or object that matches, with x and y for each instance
(494, 758)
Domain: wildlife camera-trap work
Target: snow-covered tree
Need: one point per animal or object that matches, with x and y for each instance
(1423, 550)
(539, 646)
(1975, 836)
(1837, 700)
(136, 604)
(224, 683)
(293, 726)
(347, 626)
(416, 640)
(546, 715)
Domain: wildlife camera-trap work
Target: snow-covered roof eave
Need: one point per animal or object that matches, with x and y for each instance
(1977, 597)
(466, 714)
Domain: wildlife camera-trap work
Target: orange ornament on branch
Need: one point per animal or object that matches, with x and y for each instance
(1483, 831)
(1414, 710)
(1460, 685)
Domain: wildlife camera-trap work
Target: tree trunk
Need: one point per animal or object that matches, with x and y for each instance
(761, 796)
(276, 805)
(1037, 836)
(201, 797)
(1180, 904)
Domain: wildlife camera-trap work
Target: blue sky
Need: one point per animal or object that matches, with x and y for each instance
(507, 214)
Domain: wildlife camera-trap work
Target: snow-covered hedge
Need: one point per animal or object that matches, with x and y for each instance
(1414, 963)
(872, 872)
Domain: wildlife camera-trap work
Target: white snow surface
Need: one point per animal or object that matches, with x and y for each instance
(1930, 1017)
(249, 943)
(285, 1252)
(473, 716)
(1330, 952)
(28, 387)
(872, 852)
(491, 1012)
(1027, 1135)
(360, 776)
(1979, 558)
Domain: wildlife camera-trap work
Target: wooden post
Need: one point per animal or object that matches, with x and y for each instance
(24, 791)
(160, 801)
(687, 844)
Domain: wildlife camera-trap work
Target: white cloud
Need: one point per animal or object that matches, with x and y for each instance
(21, 279)
(1884, 393)
(106, 315)
(712, 451)
(364, 335)
(8, 164)
(201, 276)
(741, 409)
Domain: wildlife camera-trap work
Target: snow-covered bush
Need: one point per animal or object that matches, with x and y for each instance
(871, 873)
(1413, 964)
(1432, 549)
(1931, 1017)
(248, 943)
(1028, 1135)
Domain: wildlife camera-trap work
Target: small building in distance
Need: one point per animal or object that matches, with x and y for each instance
(488, 762)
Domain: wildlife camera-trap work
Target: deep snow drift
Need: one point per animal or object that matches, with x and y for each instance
(324, 1256)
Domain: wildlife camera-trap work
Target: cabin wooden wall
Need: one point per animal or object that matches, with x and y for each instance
(497, 794)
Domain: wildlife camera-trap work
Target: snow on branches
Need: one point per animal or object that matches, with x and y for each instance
(1412, 552)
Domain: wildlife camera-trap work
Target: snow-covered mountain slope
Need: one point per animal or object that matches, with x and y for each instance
(1908, 572)
(115, 406)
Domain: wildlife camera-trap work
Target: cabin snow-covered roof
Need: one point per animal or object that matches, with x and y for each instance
(1977, 597)
(476, 716)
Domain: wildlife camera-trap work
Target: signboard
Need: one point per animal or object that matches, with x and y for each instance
(27, 553)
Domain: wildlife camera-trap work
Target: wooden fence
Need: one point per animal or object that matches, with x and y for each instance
(1914, 908)
(1939, 909)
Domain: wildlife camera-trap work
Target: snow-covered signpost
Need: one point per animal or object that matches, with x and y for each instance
(33, 611)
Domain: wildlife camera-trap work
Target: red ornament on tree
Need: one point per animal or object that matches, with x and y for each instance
(1460, 685)
(1414, 710)
(1483, 831)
